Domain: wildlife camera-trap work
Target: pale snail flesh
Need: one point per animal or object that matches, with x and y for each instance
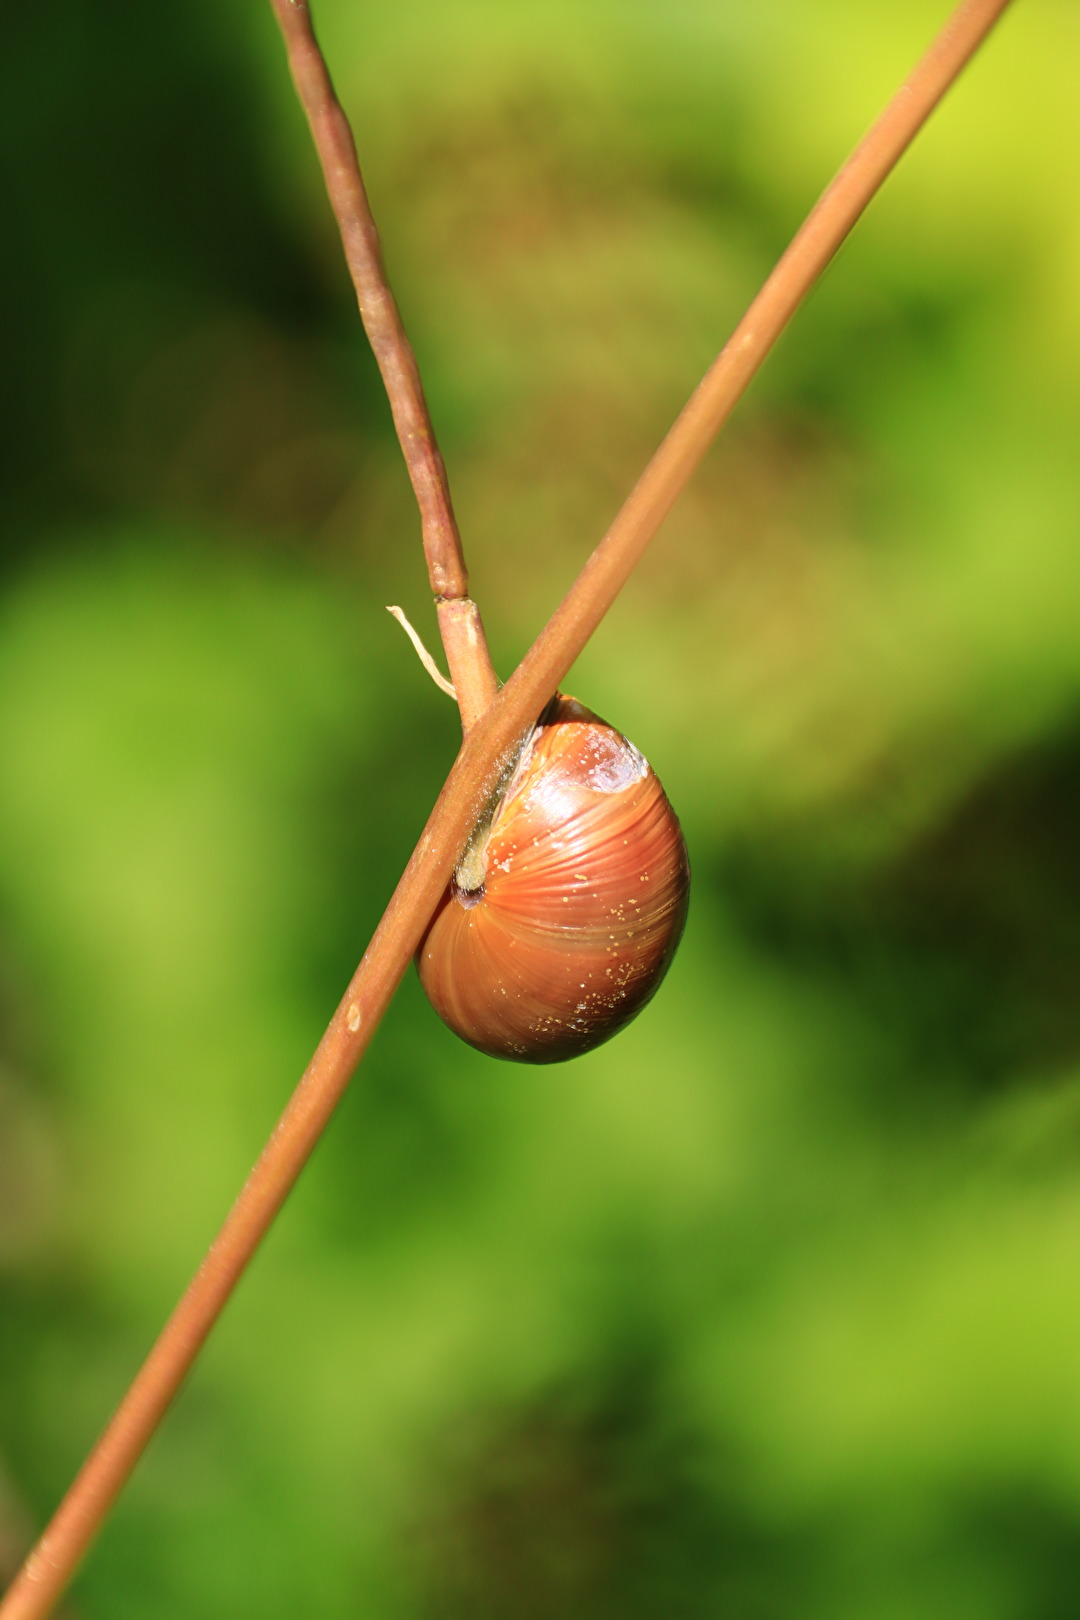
(569, 903)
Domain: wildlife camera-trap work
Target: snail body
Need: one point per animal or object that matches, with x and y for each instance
(569, 903)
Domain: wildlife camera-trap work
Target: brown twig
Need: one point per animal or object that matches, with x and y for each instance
(51, 1564)
(460, 626)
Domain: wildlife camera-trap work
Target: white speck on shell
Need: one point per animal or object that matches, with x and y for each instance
(615, 763)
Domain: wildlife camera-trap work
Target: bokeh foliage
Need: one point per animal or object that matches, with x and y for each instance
(769, 1308)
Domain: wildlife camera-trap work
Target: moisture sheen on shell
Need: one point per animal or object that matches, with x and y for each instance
(584, 897)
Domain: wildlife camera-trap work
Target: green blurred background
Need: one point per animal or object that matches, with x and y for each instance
(770, 1309)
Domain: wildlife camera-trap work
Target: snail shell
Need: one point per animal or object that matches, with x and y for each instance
(568, 905)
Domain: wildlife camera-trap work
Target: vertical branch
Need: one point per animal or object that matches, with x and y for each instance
(459, 619)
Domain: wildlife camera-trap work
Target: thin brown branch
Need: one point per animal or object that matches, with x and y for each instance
(724, 384)
(466, 649)
(470, 662)
(53, 1561)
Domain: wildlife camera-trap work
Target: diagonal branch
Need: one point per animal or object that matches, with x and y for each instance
(459, 619)
(56, 1556)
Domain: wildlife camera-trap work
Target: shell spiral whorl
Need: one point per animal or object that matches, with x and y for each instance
(585, 883)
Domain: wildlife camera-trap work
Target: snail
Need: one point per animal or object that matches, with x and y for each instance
(567, 906)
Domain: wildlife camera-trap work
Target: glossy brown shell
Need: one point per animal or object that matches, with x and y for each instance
(584, 898)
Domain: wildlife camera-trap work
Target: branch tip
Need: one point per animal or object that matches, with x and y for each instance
(424, 656)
